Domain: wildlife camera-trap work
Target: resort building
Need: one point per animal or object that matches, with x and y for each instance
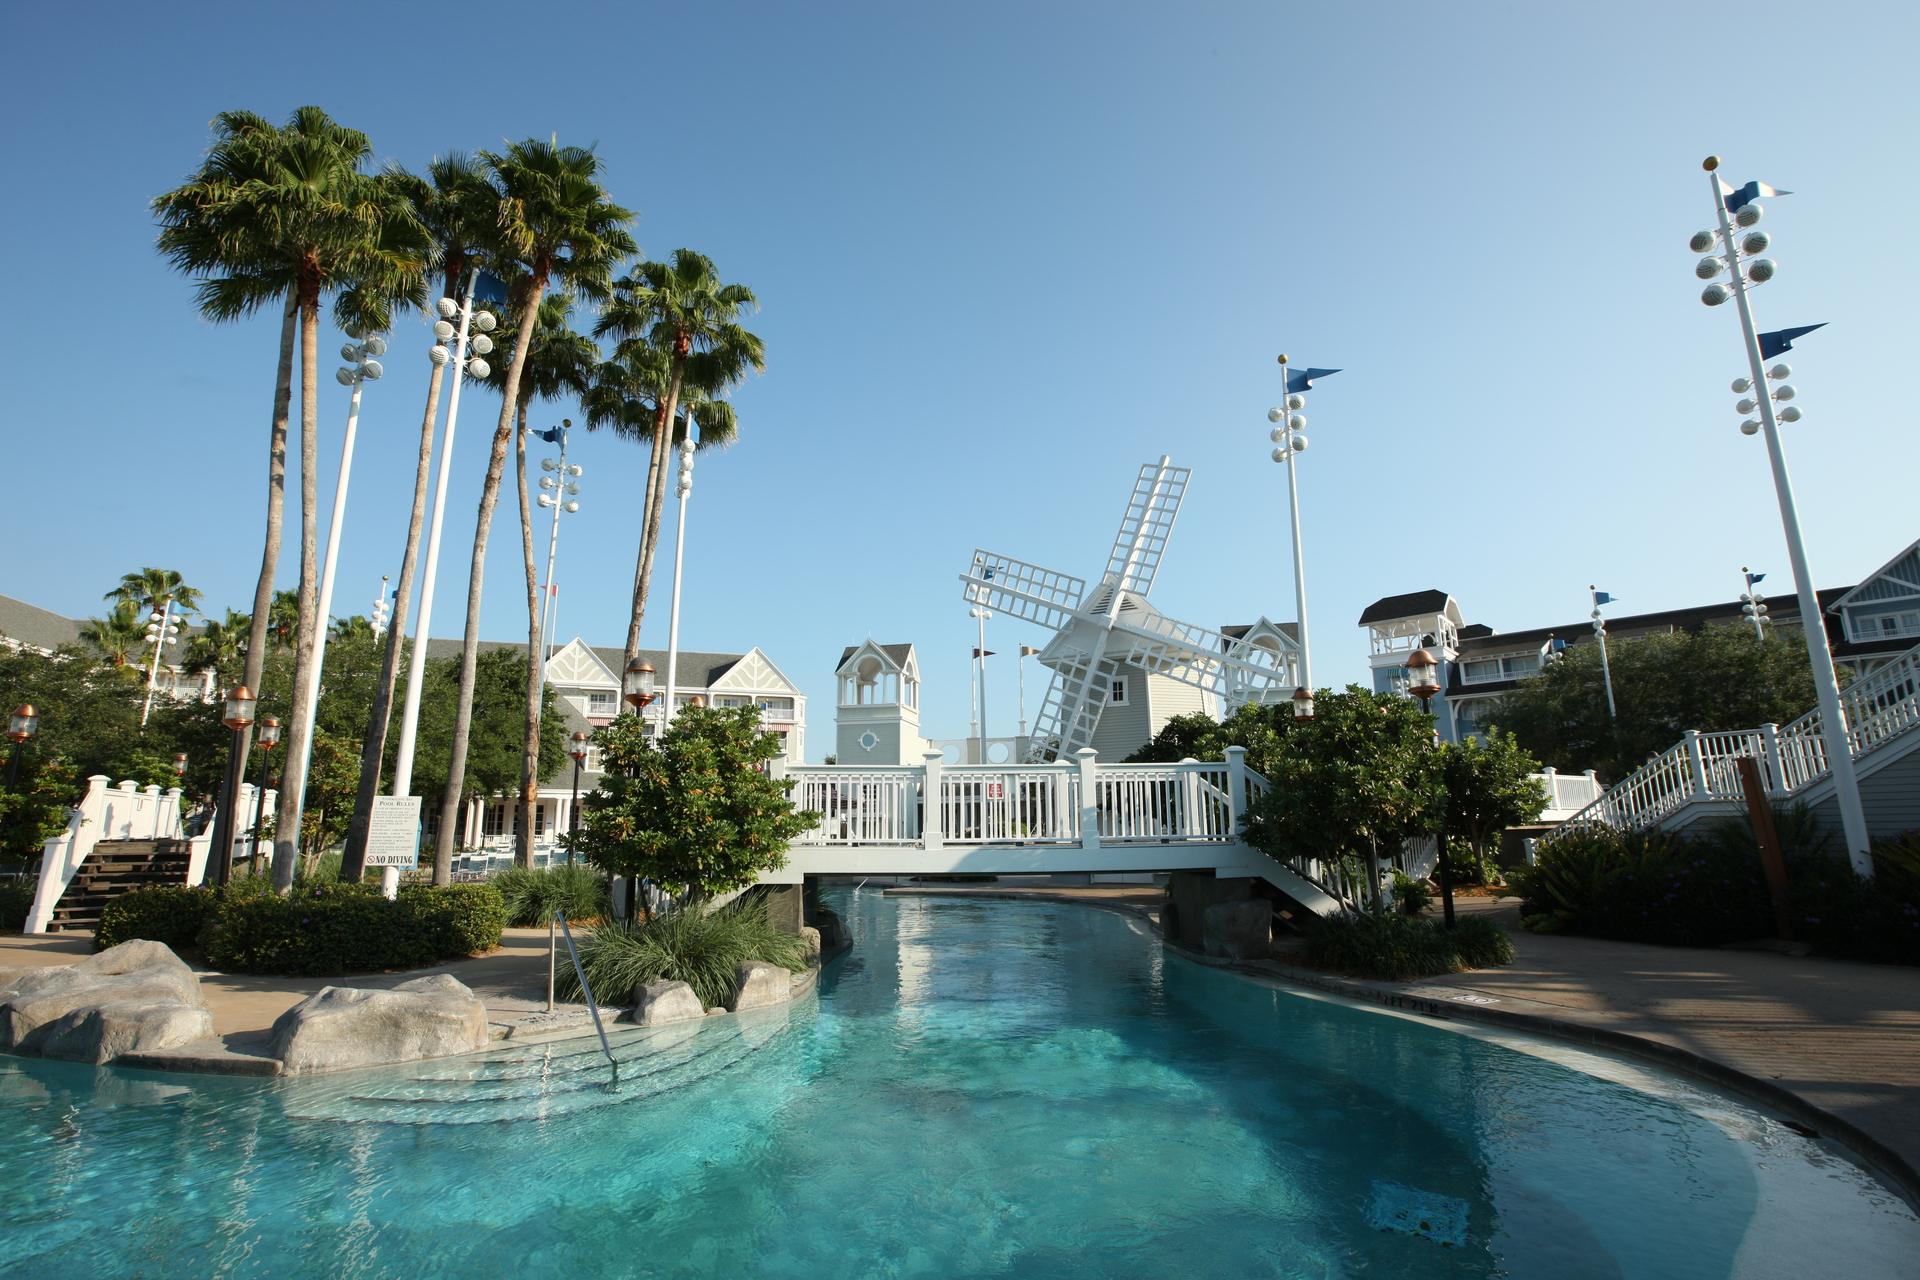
(1867, 626)
(26, 626)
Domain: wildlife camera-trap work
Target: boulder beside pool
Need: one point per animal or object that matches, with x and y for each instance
(337, 1028)
(759, 983)
(99, 1033)
(655, 1003)
(135, 972)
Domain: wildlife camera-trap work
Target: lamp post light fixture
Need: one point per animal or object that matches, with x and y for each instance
(464, 367)
(1290, 441)
(578, 750)
(1423, 681)
(1302, 704)
(1745, 268)
(238, 717)
(163, 628)
(179, 763)
(25, 723)
(683, 486)
(636, 686)
(559, 490)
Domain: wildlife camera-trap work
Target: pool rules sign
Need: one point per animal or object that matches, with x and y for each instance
(393, 832)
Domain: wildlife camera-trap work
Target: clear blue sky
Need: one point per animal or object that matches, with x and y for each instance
(1007, 252)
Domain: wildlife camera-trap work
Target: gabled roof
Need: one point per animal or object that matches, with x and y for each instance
(697, 670)
(756, 672)
(896, 653)
(1239, 633)
(1897, 579)
(1415, 604)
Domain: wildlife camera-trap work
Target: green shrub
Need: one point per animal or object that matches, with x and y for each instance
(532, 894)
(1401, 948)
(467, 918)
(1411, 894)
(325, 930)
(700, 947)
(16, 899)
(171, 913)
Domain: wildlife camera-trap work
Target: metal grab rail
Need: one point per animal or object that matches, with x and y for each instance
(593, 1006)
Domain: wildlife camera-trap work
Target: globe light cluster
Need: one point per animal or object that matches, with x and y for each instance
(479, 344)
(361, 366)
(560, 487)
(1287, 435)
(1780, 394)
(1728, 257)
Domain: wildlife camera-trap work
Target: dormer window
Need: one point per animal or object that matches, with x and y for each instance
(602, 703)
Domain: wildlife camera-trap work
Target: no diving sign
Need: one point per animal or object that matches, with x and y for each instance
(393, 832)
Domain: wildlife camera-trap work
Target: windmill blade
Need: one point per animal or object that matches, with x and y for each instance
(1022, 590)
(1071, 711)
(1196, 656)
(1145, 527)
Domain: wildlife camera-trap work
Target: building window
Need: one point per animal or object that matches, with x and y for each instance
(1117, 692)
(1510, 668)
(1887, 626)
(601, 704)
(868, 742)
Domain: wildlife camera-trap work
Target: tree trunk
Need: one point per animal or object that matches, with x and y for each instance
(470, 649)
(373, 760)
(530, 768)
(656, 500)
(286, 841)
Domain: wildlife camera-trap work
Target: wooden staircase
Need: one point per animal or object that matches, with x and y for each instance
(113, 868)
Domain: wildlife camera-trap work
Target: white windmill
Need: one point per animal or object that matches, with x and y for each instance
(1114, 642)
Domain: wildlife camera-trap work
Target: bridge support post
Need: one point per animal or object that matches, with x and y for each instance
(1697, 763)
(933, 833)
(1776, 777)
(1089, 798)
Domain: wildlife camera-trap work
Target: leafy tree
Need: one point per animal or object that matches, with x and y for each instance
(35, 810)
(555, 223)
(1489, 787)
(1719, 678)
(286, 215)
(150, 588)
(498, 724)
(697, 815)
(676, 310)
(1360, 776)
(1260, 729)
(220, 647)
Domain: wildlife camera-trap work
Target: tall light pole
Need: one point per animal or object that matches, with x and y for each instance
(237, 715)
(1752, 603)
(980, 656)
(267, 739)
(1026, 651)
(361, 369)
(1600, 634)
(682, 488)
(464, 368)
(1745, 269)
(1289, 442)
(577, 748)
(563, 484)
(382, 610)
(162, 629)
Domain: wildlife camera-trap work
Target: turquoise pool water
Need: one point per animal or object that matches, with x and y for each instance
(980, 1089)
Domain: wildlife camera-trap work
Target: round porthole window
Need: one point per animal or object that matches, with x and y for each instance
(868, 741)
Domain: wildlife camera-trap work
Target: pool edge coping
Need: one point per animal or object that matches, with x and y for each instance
(1885, 1164)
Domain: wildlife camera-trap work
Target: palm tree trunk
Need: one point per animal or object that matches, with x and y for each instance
(470, 649)
(530, 768)
(373, 760)
(656, 500)
(276, 501)
(286, 841)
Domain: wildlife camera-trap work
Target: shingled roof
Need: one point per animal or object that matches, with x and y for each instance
(1412, 605)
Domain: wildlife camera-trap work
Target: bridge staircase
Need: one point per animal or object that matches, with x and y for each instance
(114, 867)
(1698, 778)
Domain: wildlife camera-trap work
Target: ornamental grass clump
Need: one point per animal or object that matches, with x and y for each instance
(532, 894)
(1401, 948)
(700, 946)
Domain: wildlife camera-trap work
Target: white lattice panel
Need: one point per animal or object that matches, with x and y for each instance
(1022, 590)
(1146, 526)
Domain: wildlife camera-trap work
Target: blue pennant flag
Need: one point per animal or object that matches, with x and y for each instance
(1303, 379)
(490, 289)
(1781, 340)
(1753, 579)
(1739, 198)
(1552, 648)
(1600, 598)
(555, 435)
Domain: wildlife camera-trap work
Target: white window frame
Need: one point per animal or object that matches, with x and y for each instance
(1117, 692)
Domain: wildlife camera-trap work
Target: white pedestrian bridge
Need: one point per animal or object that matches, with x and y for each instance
(1071, 816)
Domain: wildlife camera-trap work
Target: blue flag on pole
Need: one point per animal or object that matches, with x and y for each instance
(491, 288)
(1738, 198)
(1753, 580)
(555, 435)
(1600, 598)
(1781, 340)
(1303, 379)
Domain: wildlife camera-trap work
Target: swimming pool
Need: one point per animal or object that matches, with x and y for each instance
(979, 1089)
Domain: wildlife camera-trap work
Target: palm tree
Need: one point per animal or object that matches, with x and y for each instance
(555, 222)
(282, 621)
(679, 309)
(220, 647)
(151, 588)
(288, 214)
(119, 635)
(560, 363)
(456, 205)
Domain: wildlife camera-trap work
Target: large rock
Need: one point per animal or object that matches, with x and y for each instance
(1239, 930)
(102, 1032)
(810, 939)
(341, 1027)
(136, 970)
(658, 1002)
(759, 983)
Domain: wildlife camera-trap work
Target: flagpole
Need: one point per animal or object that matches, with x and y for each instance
(1606, 669)
(1833, 719)
(553, 547)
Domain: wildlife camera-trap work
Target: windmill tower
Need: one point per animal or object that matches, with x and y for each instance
(1112, 646)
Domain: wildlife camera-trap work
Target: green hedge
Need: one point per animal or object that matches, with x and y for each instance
(1709, 889)
(1401, 948)
(316, 931)
(16, 899)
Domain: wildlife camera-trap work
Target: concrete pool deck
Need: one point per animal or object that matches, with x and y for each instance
(1840, 1038)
